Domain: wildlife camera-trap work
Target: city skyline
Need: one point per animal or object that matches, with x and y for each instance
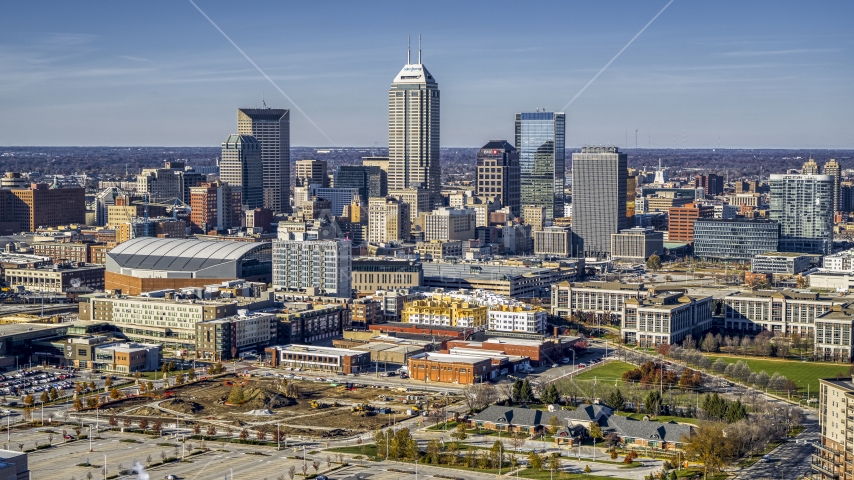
(702, 75)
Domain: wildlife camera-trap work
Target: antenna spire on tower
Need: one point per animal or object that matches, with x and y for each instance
(408, 55)
(419, 48)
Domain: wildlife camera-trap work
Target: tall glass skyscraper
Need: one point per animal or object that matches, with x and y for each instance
(413, 131)
(540, 141)
(803, 204)
(599, 181)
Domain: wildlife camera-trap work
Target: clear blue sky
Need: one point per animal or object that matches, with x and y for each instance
(734, 73)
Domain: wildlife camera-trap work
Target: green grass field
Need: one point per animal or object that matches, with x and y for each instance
(802, 373)
(660, 418)
(609, 371)
(546, 475)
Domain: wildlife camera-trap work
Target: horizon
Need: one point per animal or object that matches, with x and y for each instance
(724, 75)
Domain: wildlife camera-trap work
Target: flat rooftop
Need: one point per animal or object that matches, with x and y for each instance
(318, 350)
(449, 358)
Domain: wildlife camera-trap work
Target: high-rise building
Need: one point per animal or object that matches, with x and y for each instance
(413, 131)
(681, 221)
(240, 167)
(338, 197)
(389, 220)
(637, 244)
(450, 224)
(321, 264)
(540, 141)
(553, 241)
(312, 172)
(271, 127)
(599, 178)
(419, 200)
(803, 204)
(371, 181)
(42, 205)
(214, 206)
(535, 216)
(712, 184)
(498, 174)
(810, 168)
(832, 168)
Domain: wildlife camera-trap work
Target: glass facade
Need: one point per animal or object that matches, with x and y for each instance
(370, 181)
(739, 240)
(803, 204)
(540, 142)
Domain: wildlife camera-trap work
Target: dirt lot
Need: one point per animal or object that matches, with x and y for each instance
(270, 401)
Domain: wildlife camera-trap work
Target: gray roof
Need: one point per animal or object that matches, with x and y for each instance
(669, 432)
(178, 254)
(530, 417)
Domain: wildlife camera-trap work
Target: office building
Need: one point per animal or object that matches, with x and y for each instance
(258, 218)
(780, 262)
(603, 299)
(328, 359)
(165, 185)
(553, 242)
(810, 168)
(509, 281)
(370, 181)
(440, 249)
(325, 265)
(498, 174)
(272, 128)
(312, 172)
(215, 206)
(724, 211)
(735, 239)
(310, 322)
(711, 184)
(389, 220)
(681, 221)
(833, 335)
(449, 224)
(162, 227)
(783, 312)
(419, 201)
(372, 274)
(55, 278)
(240, 167)
(338, 198)
(803, 205)
(63, 252)
(598, 199)
(42, 205)
(413, 131)
(227, 338)
(535, 216)
(662, 202)
(636, 244)
(146, 264)
(540, 142)
(665, 319)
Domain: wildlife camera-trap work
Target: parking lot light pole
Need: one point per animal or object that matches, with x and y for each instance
(90, 438)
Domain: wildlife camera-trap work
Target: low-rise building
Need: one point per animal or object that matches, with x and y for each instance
(604, 299)
(665, 318)
(370, 274)
(226, 338)
(127, 357)
(324, 359)
(833, 334)
(636, 244)
(783, 312)
(440, 249)
(515, 281)
(448, 368)
(516, 318)
(445, 311)
(365, 312)
(538, 351)
(735, 239)
(780, 262)
(56, 278)
(309, 323)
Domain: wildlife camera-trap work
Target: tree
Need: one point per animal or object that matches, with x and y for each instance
(402, 445)
(459, 432)
(516, 391)
(92, 402)
(235, 397)
(211, 431)
(554, 424)
(710, 343)
(191, 375)
(113, 421)
(78, 404)
(29, 400)
(115, 394)
(143, 424)
(616, 400)
(550, 394)
(517, 439)
(526, 393)
(653, 262)
(179, 380)
(108, 383)
(197, 429)
(479, 396)
(244, 434)
(434, 449)
(652, 402)
(595, 431)
(158, 426)
(53, 394)
(496, 454)
(127, 422)
(708, 445)
(535, 461)
(292, 472)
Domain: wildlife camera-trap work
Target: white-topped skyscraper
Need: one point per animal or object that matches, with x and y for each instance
(413, 130)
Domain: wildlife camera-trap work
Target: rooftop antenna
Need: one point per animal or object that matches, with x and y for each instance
(408, 53)
(419, 48)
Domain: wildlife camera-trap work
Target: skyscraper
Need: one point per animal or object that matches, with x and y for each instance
(540, 144)
(598, 199)
(240, 167)
(810, 167)
(371, 181)
(803, 204)
(312, 171)
(498, 174)
(832, 168)
(413, 131)
(322, 264)
(271, 127)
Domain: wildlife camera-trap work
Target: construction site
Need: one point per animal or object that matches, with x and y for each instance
(227, 405)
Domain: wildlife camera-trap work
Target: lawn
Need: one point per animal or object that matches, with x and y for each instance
(660, 418)
(606, 372)
(546, 475)
(368, 450)
(802, 373)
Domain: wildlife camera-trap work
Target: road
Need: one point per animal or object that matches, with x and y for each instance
(790, 460)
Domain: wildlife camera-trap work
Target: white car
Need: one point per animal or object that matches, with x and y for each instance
(554, 365)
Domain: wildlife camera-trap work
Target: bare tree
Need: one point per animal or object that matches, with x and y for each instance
(479, 396)
(292, 471)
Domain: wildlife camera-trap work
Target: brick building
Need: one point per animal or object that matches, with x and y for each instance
(681, 221)
(46, 206)
(309, 357)
(447, 368)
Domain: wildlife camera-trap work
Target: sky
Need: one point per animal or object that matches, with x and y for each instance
(704, 74)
